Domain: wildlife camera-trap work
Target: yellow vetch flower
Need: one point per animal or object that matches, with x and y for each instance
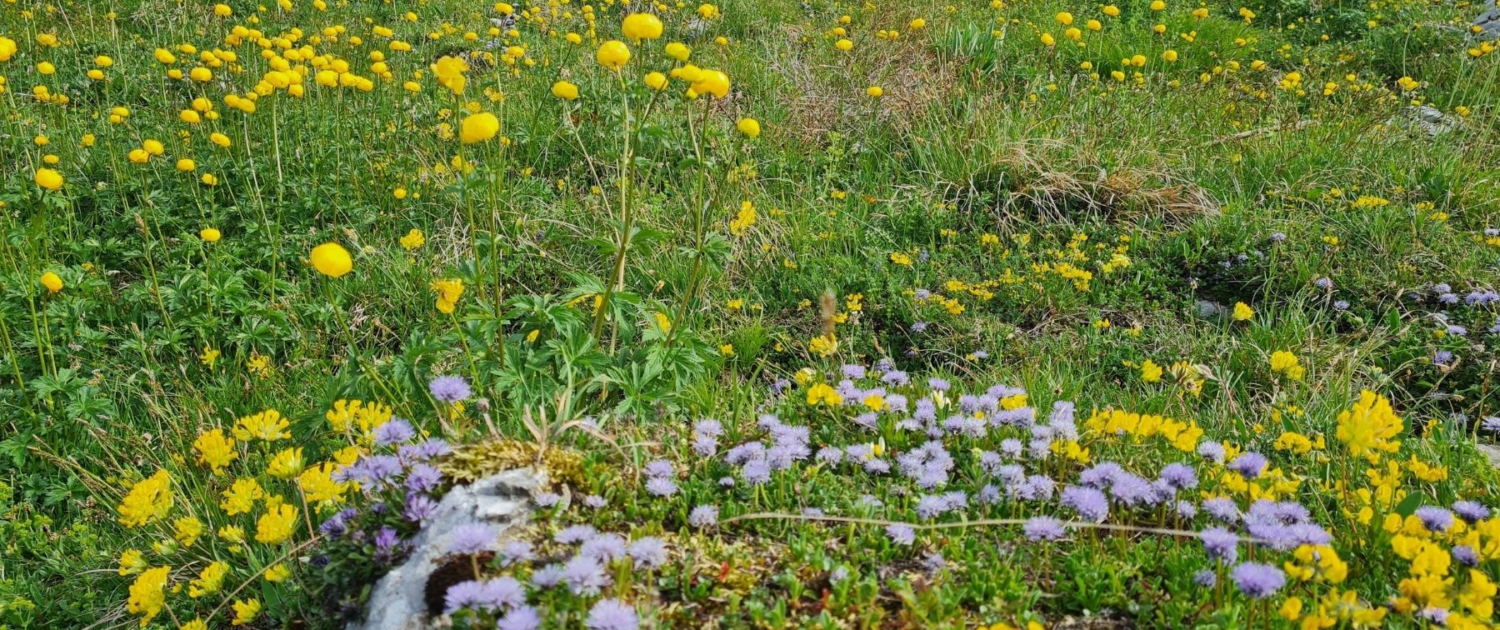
(276, 525)
(148, 594)
(413, 239)
(245, 611)
(241, 496)
(215, 450)
(1368, 427)
(187, 530)
(209, 581)
(286, 464)
(1243, 312)
(267, 425)
(132, 562)
(149, 500)
(822, 393)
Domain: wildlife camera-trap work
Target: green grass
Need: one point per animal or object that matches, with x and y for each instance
(991, 159)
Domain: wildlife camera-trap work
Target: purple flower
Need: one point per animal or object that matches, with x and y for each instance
(449, 389)
(1490, 424)
(1437, 520)
(1442, 357)
(548, 576)
(1186, 509)
(900, 534)
(387, 542)
(338, 524)
(648, 553)
(394, 431)
(611, 614)
(604, 548)
(594, 501)
(1222, 509)
(521, 618)
(1039, 528)
(472, 538)
(1470, 511)
(1258, 580)
(433, 447)
(423, 478)
(1179, 476)
(852, 371)
(501, 594)
(1090, 504)
(661, 487)
(461, 595)
(1465, 555)
(1205, 578)
(659, 468)
(515, 552)
(419, 508)
(1221, 544)
(585, 576)
(575, 534)
(546, 499)
(1212, 451)
(704, 516)
(1249, 465)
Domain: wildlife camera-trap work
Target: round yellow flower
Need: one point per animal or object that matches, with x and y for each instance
(613, 54)
(711, 82)
(478, 128)
(565, 91)
(656, 81)
(52, 281)
(7, 48)
(187, 166)
(211, 235)
(48, 179)
(639, 26)
(678, 51)
(748, 126)
(332, 260)
(875, 91)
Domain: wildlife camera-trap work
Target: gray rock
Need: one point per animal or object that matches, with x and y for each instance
(502, 500)
(1210, 310)
(1431, 119)
(1491, 452)
(1489, 23)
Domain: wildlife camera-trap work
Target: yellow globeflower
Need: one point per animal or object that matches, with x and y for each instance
(678, 51)
(875, 91)
(478, 128)
(48, 179)
(223, 10)
(7, 48)
(210, 235)
(613, 54)
(711, 82)
(565, 91)
(656, 81)
(639, 26)
(332, 260)
(52, 281)
(187, 166)
(748, 126)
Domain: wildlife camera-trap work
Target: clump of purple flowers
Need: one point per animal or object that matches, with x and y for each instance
(449, 389)
(1258, 580)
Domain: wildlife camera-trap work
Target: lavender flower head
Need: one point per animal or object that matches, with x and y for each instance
(1437, 520)
(900, 534)
(449, 389)
(522, 618)
(1090, 503)
(395, 431)
(1258, 580)
(612, 614)
(648, 553)
(704, 516)
(1038, 528)
(1249, 465)
(1221, 544)
(1470, 511)
(472, 538)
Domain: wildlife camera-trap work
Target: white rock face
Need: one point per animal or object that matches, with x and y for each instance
(502, 500)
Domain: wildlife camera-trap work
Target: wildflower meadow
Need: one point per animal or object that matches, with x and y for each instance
(997, 314)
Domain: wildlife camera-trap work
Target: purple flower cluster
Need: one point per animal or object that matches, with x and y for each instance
(495, 595)
(1283, 525)
(1258, 580)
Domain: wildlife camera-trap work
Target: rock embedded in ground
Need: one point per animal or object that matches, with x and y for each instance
(398, 601)
(1489, 23)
